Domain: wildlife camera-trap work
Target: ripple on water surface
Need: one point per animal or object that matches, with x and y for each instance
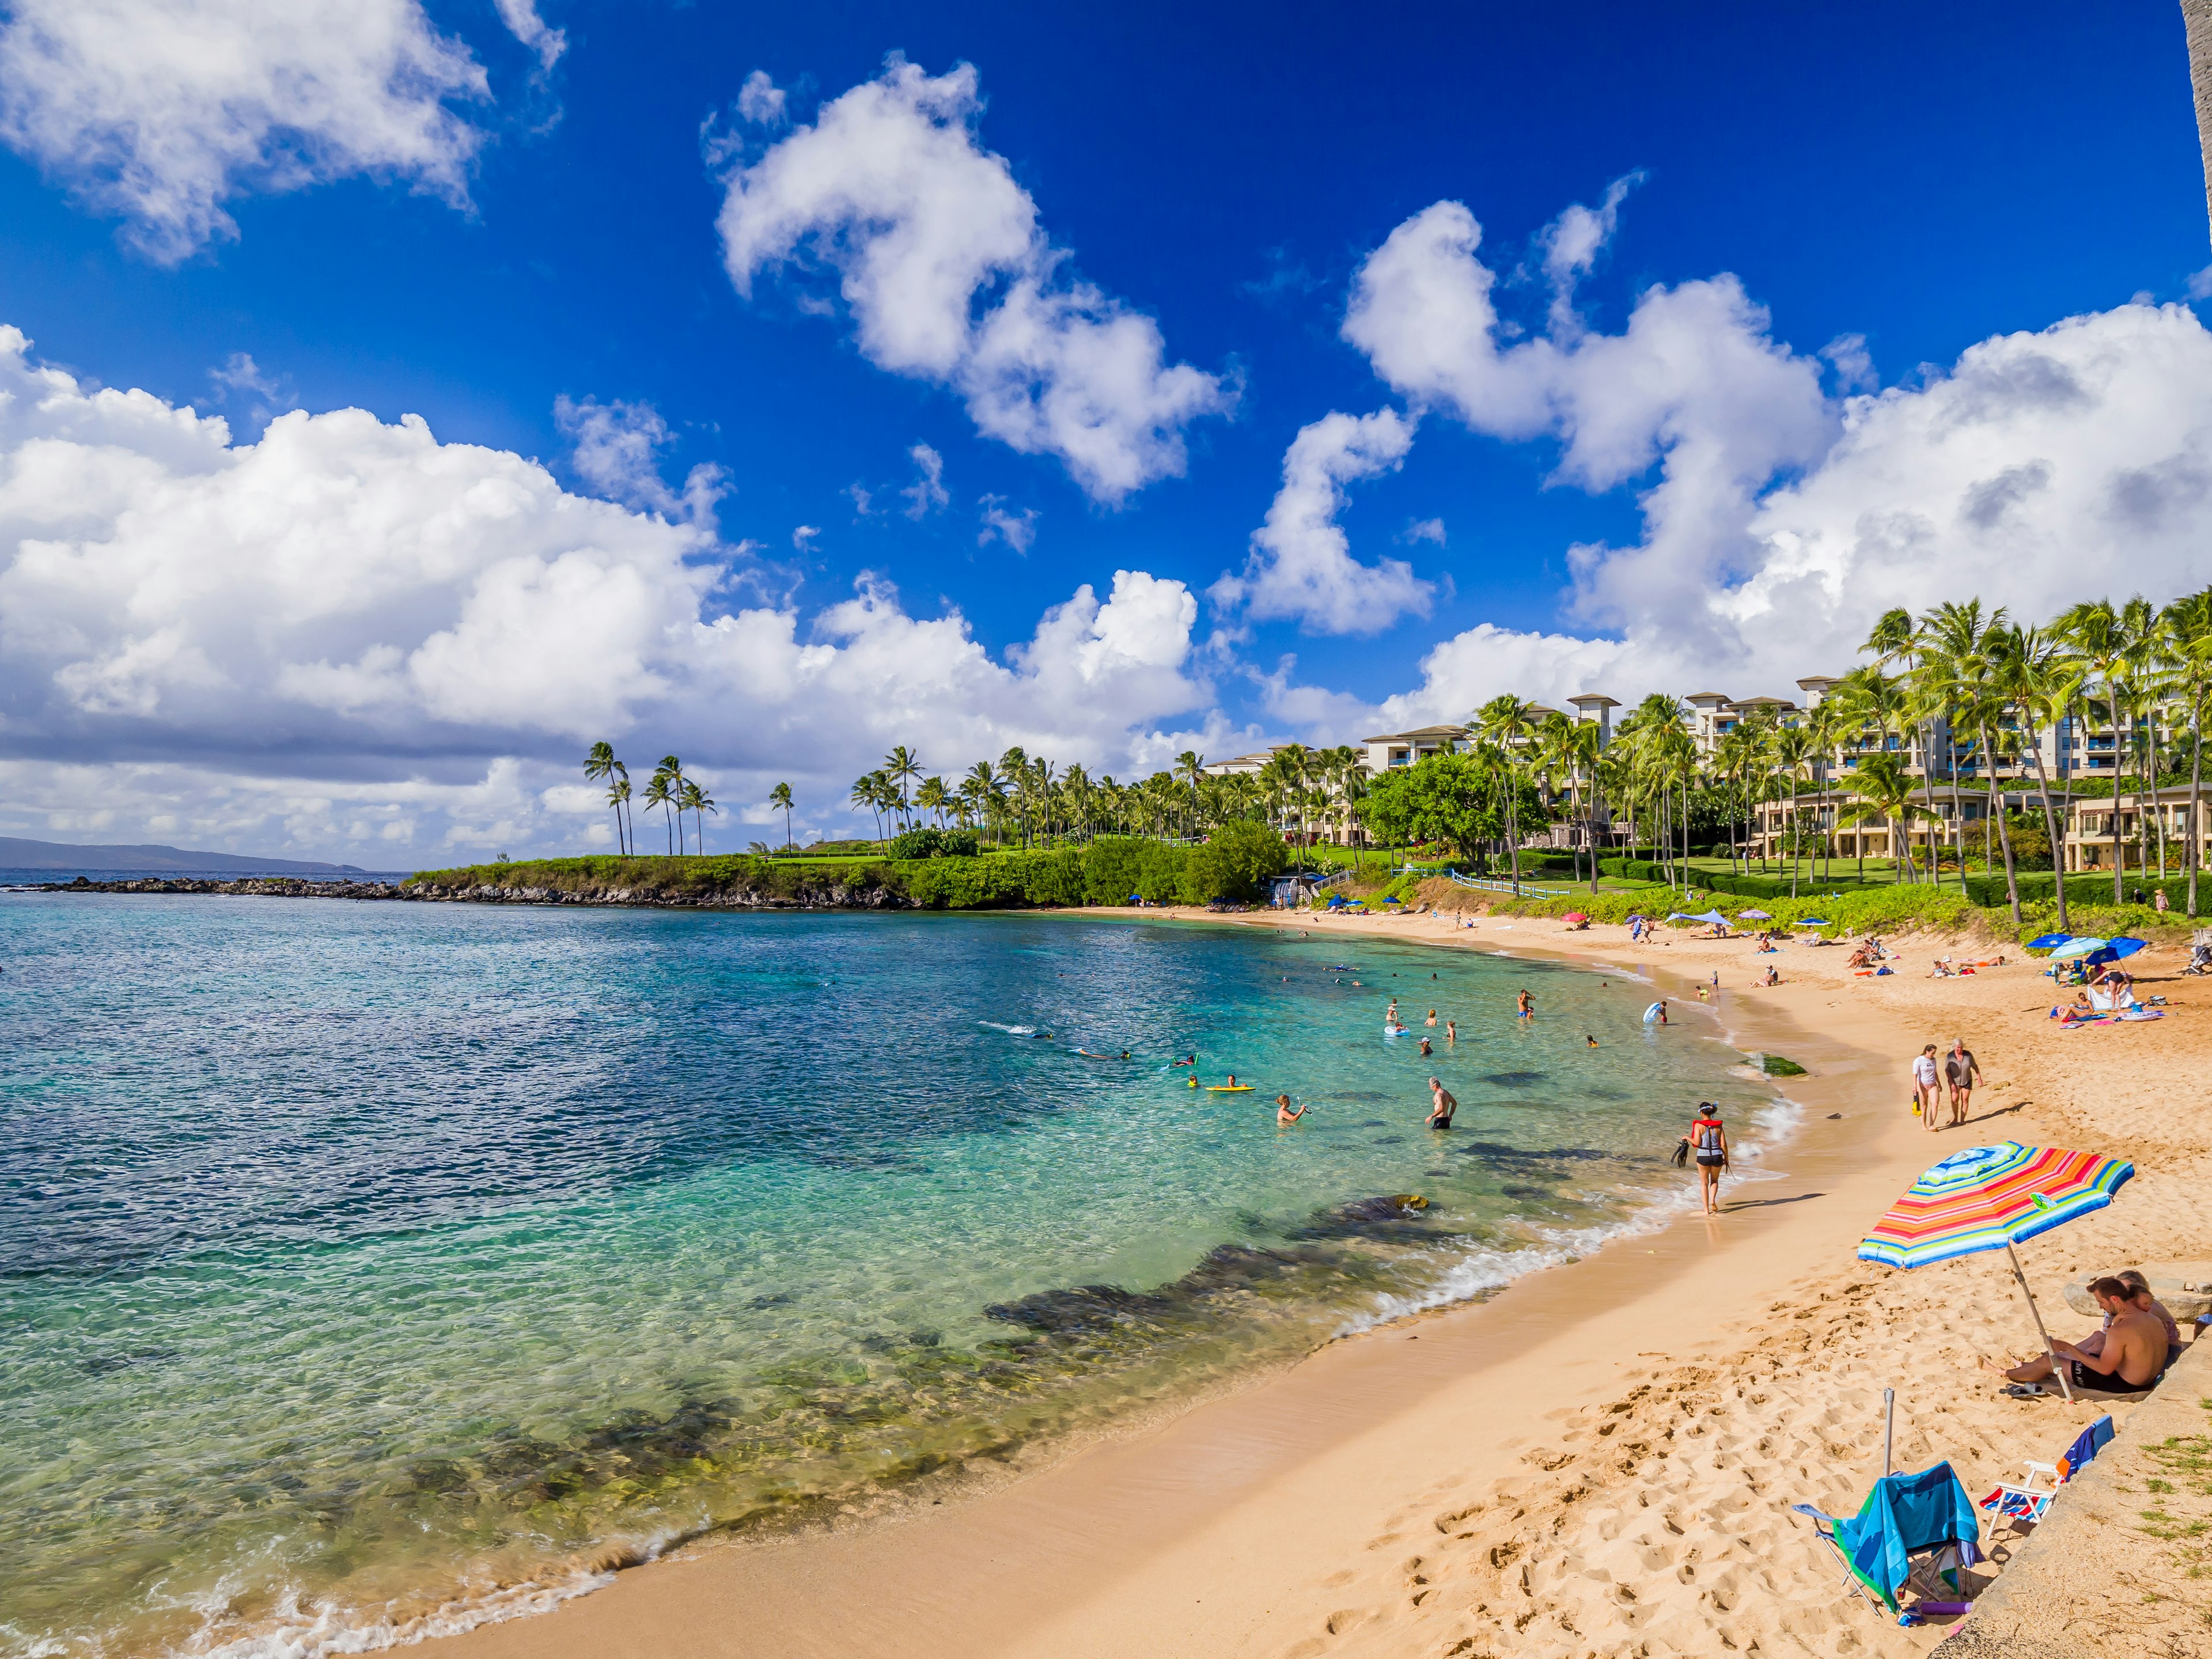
(365, 1269)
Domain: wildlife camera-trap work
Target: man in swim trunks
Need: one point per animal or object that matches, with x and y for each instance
(1524, 1008)
(2094, 1342)
(1283, 1112)
(2133, 1353)
(1961, 1073)
(1442, 1104)
(1709, 1143)
(1923, 1085)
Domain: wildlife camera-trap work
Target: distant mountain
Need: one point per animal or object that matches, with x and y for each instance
(18, 854)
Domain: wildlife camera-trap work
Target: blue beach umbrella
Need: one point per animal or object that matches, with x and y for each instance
(2047, 941)
(1814, 921)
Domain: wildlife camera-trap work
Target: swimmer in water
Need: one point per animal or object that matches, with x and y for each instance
(1590, 1041)
(1433, 1018)
(1424, 1046)
(1525, 1008)
(1283, 1112)
(1451, 1032)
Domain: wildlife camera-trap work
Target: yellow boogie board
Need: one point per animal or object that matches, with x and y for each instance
(1229, 1088)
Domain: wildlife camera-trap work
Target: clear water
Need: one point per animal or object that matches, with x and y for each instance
(367, 1269)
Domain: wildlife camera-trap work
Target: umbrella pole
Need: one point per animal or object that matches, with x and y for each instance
(2057, 1371)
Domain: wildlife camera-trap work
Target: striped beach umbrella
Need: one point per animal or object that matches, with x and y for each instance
(1991, 1198)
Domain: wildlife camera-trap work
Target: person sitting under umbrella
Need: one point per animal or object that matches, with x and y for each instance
(2128, 1361)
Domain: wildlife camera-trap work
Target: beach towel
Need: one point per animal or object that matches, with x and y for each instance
(1904, 1514)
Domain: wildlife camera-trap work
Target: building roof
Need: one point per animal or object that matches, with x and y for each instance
(1816, 682)
(1595, 700)
(1705, 696)
(1426, 732)
(1764, 702)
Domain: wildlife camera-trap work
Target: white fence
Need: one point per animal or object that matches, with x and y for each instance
(1526, 889)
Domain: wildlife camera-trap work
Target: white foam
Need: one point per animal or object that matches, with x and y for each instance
(324, 1628)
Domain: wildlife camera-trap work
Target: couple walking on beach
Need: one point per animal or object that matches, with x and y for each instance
(1959, 1073)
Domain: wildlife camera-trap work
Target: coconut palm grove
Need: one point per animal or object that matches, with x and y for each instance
(1960, 704)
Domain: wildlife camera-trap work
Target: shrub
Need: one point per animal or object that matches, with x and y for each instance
(932, 843)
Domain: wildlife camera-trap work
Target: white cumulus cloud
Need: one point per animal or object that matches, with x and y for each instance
(950, 277)
(2043, 468)
(349, 637)
(1301, 564)
(161, 110)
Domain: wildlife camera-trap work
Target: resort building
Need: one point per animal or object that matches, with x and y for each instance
(2143, 816)
(1409, 748)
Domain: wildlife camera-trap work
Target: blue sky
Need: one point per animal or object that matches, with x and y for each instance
(1926, 178)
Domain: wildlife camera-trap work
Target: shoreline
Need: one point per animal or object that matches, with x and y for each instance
(1003, 1546)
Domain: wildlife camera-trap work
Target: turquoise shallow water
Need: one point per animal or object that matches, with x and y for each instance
(370, 1269)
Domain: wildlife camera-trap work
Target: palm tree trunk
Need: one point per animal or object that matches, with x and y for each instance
(2004, 835)
(2119, 761)
(2196, 25)
(2051, 829)
(2158, 808)
(2195, 793)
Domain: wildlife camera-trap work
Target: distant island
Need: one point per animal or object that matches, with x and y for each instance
(16, 854)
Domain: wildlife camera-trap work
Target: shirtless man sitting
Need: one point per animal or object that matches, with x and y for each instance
(2130, 1359)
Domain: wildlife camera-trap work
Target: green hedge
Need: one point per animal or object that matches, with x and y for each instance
(1230, 865)
(2038, 887)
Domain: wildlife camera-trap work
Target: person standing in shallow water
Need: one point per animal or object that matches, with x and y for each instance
(1709, 1145)
(1442, 1104)
(1283, 1112)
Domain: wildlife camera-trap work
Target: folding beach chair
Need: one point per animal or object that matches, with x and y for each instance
(1927, 1514)
(2027, 1502)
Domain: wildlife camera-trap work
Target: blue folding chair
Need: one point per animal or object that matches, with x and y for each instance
(1904, 1516)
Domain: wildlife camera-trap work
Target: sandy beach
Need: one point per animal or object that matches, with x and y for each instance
(1601, 1459)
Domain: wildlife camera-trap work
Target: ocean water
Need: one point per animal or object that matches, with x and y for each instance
(368, 1270)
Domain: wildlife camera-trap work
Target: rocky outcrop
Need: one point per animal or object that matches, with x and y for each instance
(250, 886)
(727, 896)
(831, 897)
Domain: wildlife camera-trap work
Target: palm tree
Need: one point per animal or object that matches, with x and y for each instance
(2037, 679)
(1886, 791)
(779, 800)
(618, 797)
(697, 802)
(1966, 665)
(661, 791)
(1794, 749)
(2100, 637)
(868, 792)
(2187, 624)
(933, 797)
(2149, 682)
(901, 767)
(1190, 767)
(600, 763)
(1894, 638)
(1879, 701)
(1507, 721)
